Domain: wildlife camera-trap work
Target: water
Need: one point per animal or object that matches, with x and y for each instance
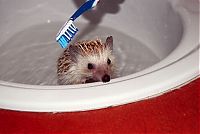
(30, 56)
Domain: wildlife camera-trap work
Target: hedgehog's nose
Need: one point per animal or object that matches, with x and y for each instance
(106, 78)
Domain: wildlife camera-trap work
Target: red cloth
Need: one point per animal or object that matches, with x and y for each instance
(176, 112)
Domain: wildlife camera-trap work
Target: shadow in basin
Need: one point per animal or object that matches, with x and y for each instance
(96, 15)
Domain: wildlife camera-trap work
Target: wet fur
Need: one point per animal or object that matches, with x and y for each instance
(72, 64)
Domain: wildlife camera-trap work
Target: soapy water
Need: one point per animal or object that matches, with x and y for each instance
(30, 56)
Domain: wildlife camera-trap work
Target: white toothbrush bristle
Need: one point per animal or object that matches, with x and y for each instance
(66, 34)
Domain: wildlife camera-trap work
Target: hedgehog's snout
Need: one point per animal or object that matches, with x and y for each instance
(106, 78)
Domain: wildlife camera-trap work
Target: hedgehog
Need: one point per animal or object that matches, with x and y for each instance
(86, 62)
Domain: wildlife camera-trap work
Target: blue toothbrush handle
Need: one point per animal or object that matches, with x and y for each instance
(86, 6)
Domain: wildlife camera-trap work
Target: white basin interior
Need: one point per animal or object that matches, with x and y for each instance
(148, 36)
(141, 39)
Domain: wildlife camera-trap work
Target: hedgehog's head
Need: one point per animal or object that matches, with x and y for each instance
(93, 60)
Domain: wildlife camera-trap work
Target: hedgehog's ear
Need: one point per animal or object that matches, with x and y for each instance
(74, 52)
(109, 42)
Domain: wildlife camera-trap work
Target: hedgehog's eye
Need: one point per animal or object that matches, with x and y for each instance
(109, 61)
(90, 66)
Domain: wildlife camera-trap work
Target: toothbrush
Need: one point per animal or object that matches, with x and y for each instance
(68, 30)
